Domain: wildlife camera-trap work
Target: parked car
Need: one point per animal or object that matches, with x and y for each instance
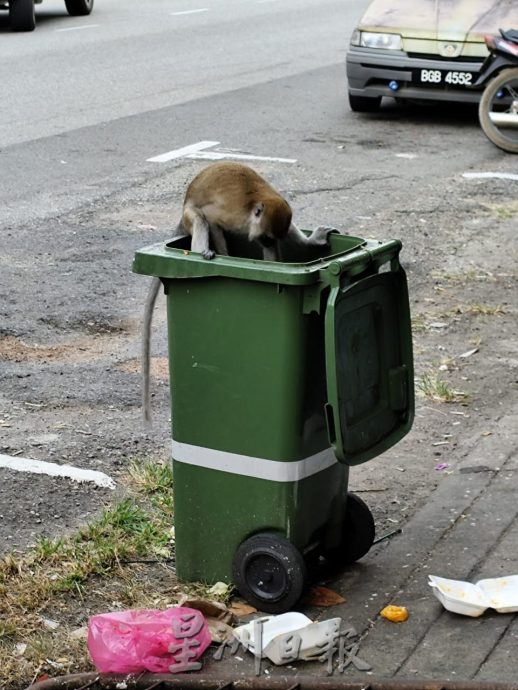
(422, 49)
(22, 16)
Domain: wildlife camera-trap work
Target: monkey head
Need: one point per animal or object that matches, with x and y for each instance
(270, 220)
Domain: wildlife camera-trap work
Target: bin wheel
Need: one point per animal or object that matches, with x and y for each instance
(269, 572)
(358, 532)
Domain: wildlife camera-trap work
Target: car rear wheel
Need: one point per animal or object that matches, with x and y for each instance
(78, 8)
(21, 15)
(364, 104)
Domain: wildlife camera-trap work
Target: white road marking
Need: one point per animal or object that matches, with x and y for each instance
(52, 470)
(219, 156)
(490, 175)
(198, 152)
(410, 156)
(181, 153)
(179, 14)
(78, 28)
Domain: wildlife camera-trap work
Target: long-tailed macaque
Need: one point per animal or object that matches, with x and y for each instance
(233, 198)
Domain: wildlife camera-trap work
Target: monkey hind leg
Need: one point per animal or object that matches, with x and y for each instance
(200, 231)
(180, 230)
(219, 241)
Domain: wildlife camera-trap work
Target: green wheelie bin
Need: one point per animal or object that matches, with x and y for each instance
(282, 376)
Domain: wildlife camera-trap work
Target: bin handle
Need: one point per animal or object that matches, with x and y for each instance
(330, 420)
(389, 250)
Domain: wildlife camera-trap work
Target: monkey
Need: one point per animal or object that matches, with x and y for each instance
(231, 197)
(228, 197)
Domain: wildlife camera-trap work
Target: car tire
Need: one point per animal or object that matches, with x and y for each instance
(79, 8)
(21, 15)
(364, 104)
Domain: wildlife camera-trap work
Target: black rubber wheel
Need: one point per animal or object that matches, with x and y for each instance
(21, 15)
(364, 104)
(358, 533)
(500, 97)
(79, 8)
(269, 572)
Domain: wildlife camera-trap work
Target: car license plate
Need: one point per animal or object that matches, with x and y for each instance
(444, 78)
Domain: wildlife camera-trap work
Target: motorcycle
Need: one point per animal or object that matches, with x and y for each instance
(498, 107)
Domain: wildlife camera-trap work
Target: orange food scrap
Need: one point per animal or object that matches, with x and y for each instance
(396, 614)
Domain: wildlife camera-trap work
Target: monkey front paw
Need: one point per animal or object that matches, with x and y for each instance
(208, 254)
(320, 235)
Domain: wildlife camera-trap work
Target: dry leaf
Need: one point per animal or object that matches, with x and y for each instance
(79, 633)
(209, 608)
(240, 609)
(219, 589)
(322, 596)
(219, 631)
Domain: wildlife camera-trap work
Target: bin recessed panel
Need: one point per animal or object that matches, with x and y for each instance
(369, 372)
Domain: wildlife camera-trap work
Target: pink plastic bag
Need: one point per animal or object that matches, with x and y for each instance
(148, 640)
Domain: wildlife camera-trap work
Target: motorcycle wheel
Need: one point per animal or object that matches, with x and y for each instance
(498, 110)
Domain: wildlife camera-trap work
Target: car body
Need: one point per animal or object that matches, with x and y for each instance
(422, 49)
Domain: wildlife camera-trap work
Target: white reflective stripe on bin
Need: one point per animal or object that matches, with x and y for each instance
(247, 466)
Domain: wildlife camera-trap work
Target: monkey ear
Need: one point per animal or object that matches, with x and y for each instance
(258, 209)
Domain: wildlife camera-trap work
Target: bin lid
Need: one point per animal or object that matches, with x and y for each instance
(369, 366)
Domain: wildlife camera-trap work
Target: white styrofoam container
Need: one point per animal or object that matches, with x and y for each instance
(499, 593)
(275, 629)
(271, 626)
(312, 640)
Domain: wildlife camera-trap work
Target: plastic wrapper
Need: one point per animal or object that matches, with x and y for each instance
(169, 641)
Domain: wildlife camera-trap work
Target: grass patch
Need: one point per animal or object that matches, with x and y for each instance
(480, 310)
(431, 386)
(89, 571)
(419, 323)
(462, 278)
(503, 212)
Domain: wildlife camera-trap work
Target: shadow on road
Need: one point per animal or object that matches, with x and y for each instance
(46, 17)
(425, 113)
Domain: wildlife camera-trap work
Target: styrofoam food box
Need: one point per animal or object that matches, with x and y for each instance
(499, 593)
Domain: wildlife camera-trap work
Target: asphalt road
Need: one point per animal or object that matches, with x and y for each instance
(79, 91)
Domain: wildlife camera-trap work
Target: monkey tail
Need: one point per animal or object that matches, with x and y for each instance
(146, 349)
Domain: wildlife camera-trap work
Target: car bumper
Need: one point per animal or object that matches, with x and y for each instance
(369, 73)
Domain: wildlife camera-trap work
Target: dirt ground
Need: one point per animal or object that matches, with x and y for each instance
(69, 343)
